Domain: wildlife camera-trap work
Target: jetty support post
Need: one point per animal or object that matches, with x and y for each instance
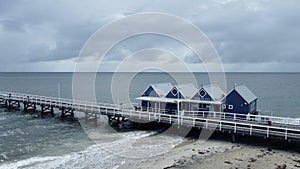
(65, 112)
(46, 109)
(233, 135)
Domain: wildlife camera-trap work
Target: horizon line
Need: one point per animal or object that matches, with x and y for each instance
(145, 72)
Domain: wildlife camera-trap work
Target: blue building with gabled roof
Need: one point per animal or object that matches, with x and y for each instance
(209, 93)
(183, 92)
(175, 92)
(240, 100)
(155, 90)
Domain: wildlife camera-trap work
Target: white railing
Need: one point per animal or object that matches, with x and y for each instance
(157, 113)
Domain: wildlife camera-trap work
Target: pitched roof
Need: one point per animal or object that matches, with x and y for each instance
(175, 100)
(245, 93)
(187, 90)
(162, 89)
(214, 91)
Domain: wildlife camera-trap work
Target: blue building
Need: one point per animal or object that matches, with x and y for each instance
(181, 94)
(173, 98)
(159, 90)
(210, 93)
(240, 100)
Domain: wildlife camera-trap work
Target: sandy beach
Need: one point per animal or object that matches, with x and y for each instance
(220, 154)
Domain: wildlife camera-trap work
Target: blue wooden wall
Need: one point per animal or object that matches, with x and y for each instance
(150, 92)
(170, 94)
(239, 104)
(205, 97)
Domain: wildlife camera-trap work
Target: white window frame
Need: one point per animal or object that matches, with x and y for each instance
(202, 91)
(173, 90)
(223, 106)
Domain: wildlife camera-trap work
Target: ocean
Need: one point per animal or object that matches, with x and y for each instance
(29, 141)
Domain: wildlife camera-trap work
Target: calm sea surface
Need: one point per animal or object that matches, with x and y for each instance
(33, 142)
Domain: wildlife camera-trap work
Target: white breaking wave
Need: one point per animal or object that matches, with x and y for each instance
(133, 146)
(2, 118)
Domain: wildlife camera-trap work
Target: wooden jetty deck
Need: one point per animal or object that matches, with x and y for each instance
(256, 125)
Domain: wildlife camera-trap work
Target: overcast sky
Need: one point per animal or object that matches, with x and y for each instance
(47, 35)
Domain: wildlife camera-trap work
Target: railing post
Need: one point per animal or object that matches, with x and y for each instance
(234, 116)
(140, 114)
(268, 132)
(286, 134)
(206, 124)
(220, 128)
(159, 117)
(178, 117)
(250, 129)
(234, 127)
(285, 123)
(182, 114)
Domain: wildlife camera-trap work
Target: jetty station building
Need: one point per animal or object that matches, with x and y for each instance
(171, 99)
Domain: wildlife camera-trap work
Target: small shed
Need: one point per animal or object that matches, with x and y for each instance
(155, 90)
(182, 93)
(176, 93)
(240, 100)
(210, 93)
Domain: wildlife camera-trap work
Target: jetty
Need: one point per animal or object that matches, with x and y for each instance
(254, 125)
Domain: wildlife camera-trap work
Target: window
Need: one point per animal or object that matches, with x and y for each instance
(223, 106)
(174, 91)
(202, 93)
(230, 107)
(202, 106)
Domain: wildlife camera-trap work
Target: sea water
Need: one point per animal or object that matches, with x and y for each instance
(29, 141)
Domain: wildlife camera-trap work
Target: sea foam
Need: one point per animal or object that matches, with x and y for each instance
(133, 146)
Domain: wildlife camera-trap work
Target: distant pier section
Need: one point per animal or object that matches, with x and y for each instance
(175, 113)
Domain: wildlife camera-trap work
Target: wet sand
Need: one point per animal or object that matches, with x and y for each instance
(218, 153)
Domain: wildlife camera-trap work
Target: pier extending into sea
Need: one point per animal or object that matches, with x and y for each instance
(254, 125)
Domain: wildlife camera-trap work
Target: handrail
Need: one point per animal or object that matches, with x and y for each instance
(285, 121)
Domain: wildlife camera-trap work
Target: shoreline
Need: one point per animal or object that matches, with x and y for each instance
(219, 152)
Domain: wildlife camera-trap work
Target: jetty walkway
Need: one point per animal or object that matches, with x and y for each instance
(256, 125)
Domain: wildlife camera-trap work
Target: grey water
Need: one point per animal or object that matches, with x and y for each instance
(25, 137)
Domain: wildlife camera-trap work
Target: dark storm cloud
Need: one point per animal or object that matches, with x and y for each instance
(37, 33)
(266, 32)
(242, 31)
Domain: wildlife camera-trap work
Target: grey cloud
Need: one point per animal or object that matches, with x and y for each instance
(9, 24)
(242, 31)
(193, 59)
(242, 35)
